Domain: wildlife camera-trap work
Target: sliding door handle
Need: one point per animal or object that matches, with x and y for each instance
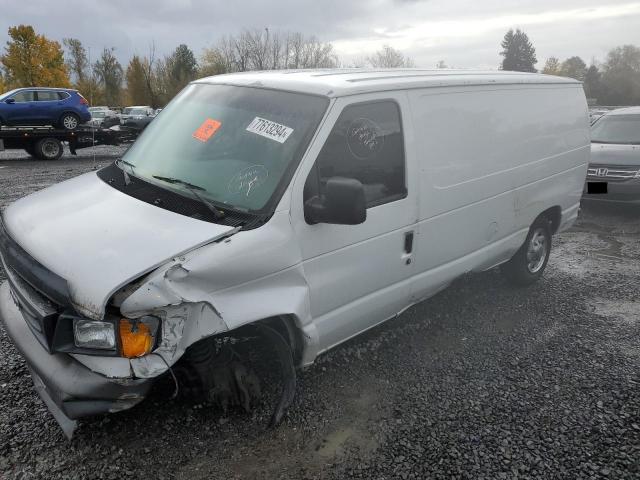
(408, 242)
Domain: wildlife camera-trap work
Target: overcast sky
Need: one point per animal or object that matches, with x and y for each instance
(463, 33)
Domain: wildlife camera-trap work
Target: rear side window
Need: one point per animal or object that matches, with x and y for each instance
(366, 143)
(63, 95)
(24, 96)
(47, 96)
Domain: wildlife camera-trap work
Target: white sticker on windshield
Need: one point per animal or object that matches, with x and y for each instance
(269, 129)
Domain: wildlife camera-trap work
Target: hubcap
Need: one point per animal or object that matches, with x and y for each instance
(536, 251)
(70, 122)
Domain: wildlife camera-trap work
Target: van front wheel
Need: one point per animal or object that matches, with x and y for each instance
(529, 262)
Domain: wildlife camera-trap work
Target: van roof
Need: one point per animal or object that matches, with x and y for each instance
(349, 81)
(625, 111)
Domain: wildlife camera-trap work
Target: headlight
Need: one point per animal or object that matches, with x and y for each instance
(94, 334)
(138, 336)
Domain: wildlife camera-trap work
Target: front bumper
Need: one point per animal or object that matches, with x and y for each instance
(69, 389)
(620, 192)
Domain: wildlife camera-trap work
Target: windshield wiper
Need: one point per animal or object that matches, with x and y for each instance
(120, 161)
(218, 214)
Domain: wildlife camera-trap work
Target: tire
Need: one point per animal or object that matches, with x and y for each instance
(48, 149)
(529, 262)
(69, 121)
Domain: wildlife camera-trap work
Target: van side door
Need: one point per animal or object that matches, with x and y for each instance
(359, 275)
(468, 142)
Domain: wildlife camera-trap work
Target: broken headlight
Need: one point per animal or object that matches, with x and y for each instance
(139, 336)
(94, 334)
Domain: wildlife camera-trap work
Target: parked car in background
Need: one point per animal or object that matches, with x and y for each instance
(596, 113)
(139, 117)
(104, 118)
(139, 110)
(158, 110)
(614, 170)
(99, 108)
(61, 107)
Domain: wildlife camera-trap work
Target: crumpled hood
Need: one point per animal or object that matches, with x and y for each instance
(613, 154)
(99, 239)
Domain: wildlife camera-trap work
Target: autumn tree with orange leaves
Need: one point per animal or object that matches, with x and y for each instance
(32, 60)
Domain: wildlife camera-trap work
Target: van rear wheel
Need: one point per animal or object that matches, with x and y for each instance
(529, 262)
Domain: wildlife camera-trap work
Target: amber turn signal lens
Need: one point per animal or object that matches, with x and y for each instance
(135, 337)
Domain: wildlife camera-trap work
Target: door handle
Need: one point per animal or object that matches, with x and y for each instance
(408, 242)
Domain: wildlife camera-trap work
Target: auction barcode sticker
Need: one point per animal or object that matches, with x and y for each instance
(269, 129)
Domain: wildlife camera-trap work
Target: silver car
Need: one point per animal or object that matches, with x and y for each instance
(614, 170)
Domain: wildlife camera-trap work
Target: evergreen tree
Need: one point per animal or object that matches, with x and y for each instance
(518, 52)
(592, 83)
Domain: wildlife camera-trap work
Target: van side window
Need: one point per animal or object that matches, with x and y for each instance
(366, 143)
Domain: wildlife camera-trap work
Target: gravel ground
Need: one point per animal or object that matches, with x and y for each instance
(482, 381)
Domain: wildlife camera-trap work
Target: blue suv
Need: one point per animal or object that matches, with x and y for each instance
(61, 107)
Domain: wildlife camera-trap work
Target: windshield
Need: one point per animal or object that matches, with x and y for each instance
(127, 110)
(237, 143)
(98, 114)
(138, 111)
(622, 129)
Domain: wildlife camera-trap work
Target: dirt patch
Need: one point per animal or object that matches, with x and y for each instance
(288, 451)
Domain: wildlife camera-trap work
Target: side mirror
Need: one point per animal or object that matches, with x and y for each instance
(10, 101)
(343, 203)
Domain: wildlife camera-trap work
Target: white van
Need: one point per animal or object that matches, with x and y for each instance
(309, 205)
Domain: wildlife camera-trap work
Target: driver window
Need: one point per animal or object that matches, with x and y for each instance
(366, 143)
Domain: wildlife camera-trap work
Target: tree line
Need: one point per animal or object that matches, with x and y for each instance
(615, 81)
(31, 59)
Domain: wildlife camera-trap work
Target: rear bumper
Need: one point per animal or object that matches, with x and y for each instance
(69, 389)
(619, 192)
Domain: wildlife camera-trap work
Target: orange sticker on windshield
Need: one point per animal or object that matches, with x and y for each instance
(207, 129)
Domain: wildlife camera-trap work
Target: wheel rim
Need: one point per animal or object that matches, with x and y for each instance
(70, 122)
(536, 251)
(50, 149)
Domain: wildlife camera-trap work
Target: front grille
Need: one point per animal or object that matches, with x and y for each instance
(40, 294)
(612, 173)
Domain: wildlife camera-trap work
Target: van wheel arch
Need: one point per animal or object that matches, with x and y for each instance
(287, 326)
(554, 216)
(528, 264)
(200, 362)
